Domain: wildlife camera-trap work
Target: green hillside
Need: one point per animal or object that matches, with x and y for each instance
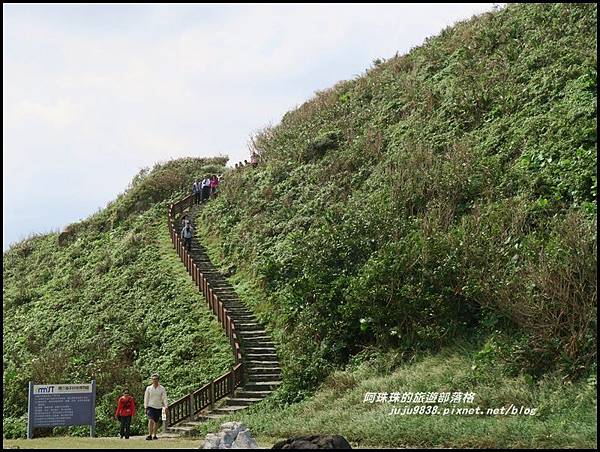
(447, 191)
(446, 195)
(111, 300)
(429, 226)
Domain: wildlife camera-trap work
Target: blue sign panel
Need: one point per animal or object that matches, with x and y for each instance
(61, 405)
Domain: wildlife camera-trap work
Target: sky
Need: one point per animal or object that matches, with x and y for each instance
(93, 93)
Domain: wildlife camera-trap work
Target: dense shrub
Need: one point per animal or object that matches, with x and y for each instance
(447, 192)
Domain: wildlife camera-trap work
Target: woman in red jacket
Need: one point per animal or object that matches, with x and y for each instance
(125, 411)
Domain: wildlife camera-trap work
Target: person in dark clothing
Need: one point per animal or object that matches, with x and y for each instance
(185, 221)
(195, 189)
(187, 233)
(125, 411)
(205, 188)
(198, 191)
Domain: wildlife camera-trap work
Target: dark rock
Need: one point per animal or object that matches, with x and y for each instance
(314, 442)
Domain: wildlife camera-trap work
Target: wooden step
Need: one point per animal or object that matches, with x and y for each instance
(192, 424)
(254, 364)
(262, 385)
(230, 409)
(257, 369)
(239, 401)
(252, 341)
(261, 357)
(184, 431)
(264, 377)
(252, 394)
(210, 416)
(257, 349)
(258, 343)
(248, 326)
(254, 334)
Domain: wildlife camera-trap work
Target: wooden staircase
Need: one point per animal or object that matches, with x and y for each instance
(262, 374)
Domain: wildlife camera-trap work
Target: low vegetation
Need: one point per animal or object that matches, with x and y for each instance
(111, 302)
(565, 416)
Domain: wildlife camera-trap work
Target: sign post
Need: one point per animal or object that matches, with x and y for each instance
(93, 426)
(29, 410)
(60, 405)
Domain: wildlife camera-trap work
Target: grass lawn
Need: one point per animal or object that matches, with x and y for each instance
(138, 442)
(66, 442)
(565, 413)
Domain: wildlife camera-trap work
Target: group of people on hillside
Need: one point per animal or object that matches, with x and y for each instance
(254, 159)
(155, 400)
(207, 188)
(203, 190)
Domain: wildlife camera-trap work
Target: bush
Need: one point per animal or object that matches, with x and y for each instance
(14, 427)
(445, 194)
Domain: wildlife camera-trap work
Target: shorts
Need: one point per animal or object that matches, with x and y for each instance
(154, 413)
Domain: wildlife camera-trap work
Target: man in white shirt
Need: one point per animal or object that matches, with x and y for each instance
(155, 398)
(205, 189)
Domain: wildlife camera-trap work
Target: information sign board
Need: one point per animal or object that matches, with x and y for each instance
(58, 405)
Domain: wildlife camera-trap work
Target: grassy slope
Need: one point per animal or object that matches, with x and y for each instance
(113, 302)
(565, 415)
(447, 195)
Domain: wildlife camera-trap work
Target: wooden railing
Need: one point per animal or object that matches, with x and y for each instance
(226, 384)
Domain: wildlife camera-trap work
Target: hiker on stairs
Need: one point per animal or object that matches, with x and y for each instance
(195, 189)
(214, 185)
(185, 220)
(187, 232)
(205, 189)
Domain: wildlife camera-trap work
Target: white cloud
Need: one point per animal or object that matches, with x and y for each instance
(59, 114)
